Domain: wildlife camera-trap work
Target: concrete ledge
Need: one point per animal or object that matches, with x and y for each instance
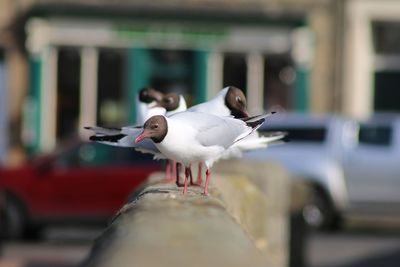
(266, 221)
(231, 227)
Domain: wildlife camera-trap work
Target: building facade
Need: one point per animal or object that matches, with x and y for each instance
(73, 63)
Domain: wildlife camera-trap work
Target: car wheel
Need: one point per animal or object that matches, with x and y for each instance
(319, 213)
(12, 220)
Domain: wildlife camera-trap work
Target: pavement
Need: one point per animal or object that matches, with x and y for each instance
(60, 247)
(354, 248)
(67, 247)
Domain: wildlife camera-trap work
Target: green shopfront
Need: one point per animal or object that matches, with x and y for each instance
(87, 70)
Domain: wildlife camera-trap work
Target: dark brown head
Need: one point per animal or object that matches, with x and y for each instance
(170, 101)
(155, 128)
(236, 102)
(148, 95)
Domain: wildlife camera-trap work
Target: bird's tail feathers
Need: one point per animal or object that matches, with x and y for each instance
(258, 140)
(106, 138)
(272, 137)
(110, 136)
(256, 121)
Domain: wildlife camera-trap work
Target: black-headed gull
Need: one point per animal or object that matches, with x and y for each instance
(173, 103)
(194, 137)
(152, 102)
(169, 104)
(230, 101)
(148, 104)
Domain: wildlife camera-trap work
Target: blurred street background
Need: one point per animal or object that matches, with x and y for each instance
(332, 67)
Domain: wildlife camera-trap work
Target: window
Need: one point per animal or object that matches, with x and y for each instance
(279, 78)
(112, 108)
(314, 135)
(375, 135)
(387, 93)
(386, 37)
(68, 91)
(173, 71)
(235, 71)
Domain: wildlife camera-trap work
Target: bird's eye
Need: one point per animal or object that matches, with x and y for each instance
(238, 99)
(155, 126)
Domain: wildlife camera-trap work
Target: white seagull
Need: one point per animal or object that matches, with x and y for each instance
(148, 104)
(173, 103)
(230, 101)
(194, 137)
(151, 102)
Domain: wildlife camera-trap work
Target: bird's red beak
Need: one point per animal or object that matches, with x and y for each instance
(140, 137)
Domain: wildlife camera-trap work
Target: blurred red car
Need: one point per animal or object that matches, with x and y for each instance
(79, 183)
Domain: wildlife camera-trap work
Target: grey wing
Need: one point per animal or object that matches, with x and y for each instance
(132, 130)
(224, 132)
(121, 137)
(147, 146)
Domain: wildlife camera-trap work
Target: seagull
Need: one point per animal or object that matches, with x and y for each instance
(148, 104)
(230, 101)
(194, 137)
(173, 103)
(151, 102)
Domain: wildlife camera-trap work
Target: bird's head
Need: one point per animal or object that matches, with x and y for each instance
(148, 95)
(170, 101)
(235, 100)
(155, 128)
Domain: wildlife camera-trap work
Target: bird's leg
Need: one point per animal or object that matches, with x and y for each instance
(208, 174)
(177, 168)
(168, 172)
(187, 174)
(191, 175)
(199, 176)
(174, 169)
